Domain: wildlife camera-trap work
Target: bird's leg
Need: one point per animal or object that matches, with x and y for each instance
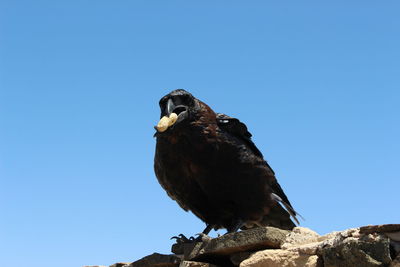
(203, 237)
(235, 226)
(208, 229)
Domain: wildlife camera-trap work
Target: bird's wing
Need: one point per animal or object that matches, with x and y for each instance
(238, 129)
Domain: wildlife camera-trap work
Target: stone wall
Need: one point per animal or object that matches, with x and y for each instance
(366, 246)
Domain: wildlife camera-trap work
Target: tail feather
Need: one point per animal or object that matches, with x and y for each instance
(287, 207)
(279, 216)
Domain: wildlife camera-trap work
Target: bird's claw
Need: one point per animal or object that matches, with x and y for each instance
(181, 238)
(201, 237)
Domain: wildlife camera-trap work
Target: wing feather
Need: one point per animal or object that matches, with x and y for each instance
(238, 129)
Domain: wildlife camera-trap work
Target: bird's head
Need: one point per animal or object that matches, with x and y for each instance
(177, 107)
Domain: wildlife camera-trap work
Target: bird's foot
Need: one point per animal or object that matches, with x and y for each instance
(182, 239)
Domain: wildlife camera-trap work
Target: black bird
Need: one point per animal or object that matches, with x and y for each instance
(207, 162)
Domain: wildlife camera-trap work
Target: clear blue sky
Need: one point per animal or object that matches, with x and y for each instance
(317, 83)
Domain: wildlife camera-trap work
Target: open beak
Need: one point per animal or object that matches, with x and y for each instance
(172, 114)
(180, 110)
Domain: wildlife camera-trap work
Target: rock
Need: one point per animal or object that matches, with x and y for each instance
(395, 262)
(395, 236)
(178, 248)
(395, 247)
(302, 240)
(368, 246)
(299, 236)
(196, 264)
(335, 238)
(311, 243)
(309, 249)
(157, 260)
(383, 228)
(248, 240)
(219, 250)
(280, 258)
(237, 258)
(192, 250)
(368, 251)
(120, 264)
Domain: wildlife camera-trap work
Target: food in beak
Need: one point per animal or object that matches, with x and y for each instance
(166, 122)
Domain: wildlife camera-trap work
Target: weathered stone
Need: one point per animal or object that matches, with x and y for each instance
(267, 246)
(237, 258)
(120, 264)
(311, 243)
(367, 251)
(196, 264)
(300, 236)
(191, 250)
(395, 247)
(280, 258)
(395, 262)
(309, 249)
(395, 236)
(335, 238)
(157, 260)
(383, 228)
(177, 248)
(248, 240)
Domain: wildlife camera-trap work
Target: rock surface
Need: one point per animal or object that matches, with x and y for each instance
(156, 260)
(367, 246)
(358, 252)
(395, 262)
(195, 264)
(280, 258)
(249, 240)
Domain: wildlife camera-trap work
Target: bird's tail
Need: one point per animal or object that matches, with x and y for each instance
(279, 216)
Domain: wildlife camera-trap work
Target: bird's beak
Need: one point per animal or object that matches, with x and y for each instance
(170, 107)
(177, 108)
(171, 115)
